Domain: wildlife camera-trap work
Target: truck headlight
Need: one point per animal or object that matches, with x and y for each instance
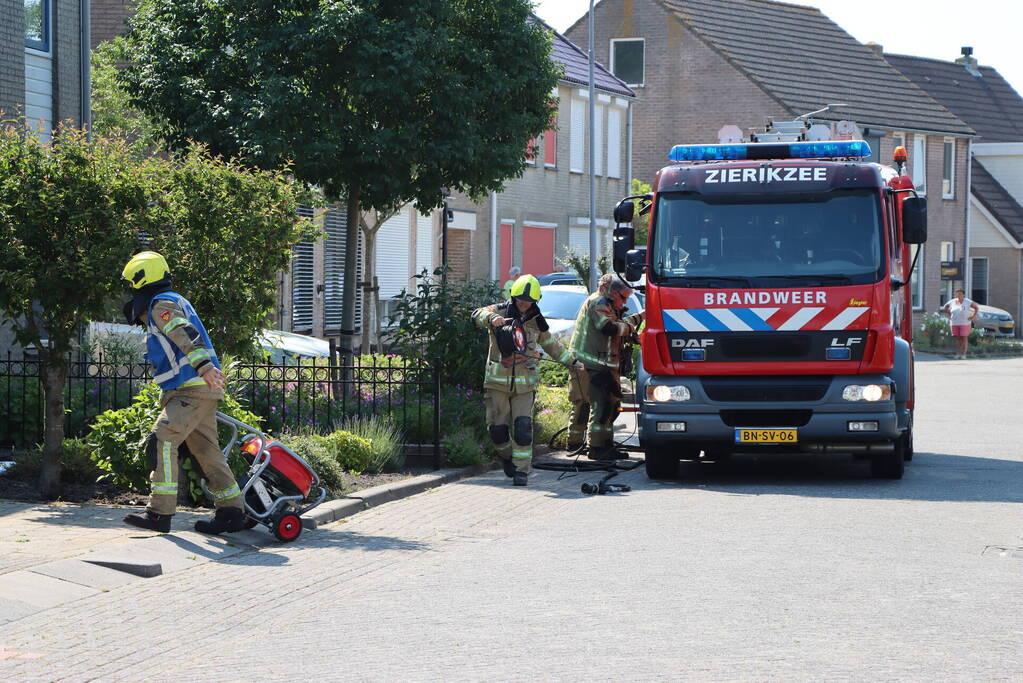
(867, 392)
(662, 394)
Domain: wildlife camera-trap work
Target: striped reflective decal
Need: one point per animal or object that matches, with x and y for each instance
(757, 319)
(801, 318)
(845, 318)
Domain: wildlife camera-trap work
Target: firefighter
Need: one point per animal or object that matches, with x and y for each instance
(513, 273)
(188, 371)
(598, 341)
(516, 328)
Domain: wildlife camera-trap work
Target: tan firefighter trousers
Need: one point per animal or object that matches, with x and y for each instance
(191, 420)
(510, 422)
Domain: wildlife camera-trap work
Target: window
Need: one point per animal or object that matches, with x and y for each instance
(530, 154)
(627, 60)
(614, 142)
(550, 147)
(919, 163)
(577, 137)
(916, 283)
(980, 285)
(898, 140)
(37, 24)
(948, 170)
(302, 284)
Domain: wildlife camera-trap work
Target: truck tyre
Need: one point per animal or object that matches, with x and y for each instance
(889, 465)
(907, 438)
(661, 463)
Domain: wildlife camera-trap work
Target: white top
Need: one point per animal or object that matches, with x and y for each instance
(960, 312)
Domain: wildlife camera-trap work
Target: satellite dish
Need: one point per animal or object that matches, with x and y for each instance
(729, 134)
(818, 132)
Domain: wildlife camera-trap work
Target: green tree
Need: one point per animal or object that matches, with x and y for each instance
(383, 102)
(641, 224)
(69, 212)
(113, 115)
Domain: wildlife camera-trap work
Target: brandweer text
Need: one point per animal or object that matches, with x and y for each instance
(761, 298)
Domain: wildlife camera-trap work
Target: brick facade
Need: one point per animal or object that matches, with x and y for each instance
(67, 77)
(108, 17)
(1005, 270)
(12, 55)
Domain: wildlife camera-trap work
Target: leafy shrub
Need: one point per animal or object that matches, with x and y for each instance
(116, 442)
(385, 443)
(463, 448)
(314, 450)
(937, 333)
(76, 465)
(551, 412)
(553, 375)
(433, 324)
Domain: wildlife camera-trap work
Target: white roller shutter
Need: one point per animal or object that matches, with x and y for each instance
(424, 243)
(39, 93)
(577, 137)
(579, 240)
(614, 142)
(302, 281)
(393, 255)
(598, 139)
(334, 249)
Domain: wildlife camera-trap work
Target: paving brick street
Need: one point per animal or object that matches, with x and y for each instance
(801, 568)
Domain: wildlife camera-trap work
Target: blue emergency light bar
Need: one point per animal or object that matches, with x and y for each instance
(752, 151)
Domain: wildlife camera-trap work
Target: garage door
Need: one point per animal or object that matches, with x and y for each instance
(537, 250)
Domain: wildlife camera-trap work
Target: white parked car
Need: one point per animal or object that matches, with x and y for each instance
(994, 322)
(560, 305)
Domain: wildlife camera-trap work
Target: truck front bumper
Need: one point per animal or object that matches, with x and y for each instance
(827, 424)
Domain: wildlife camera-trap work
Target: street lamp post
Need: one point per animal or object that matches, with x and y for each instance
(593, 166)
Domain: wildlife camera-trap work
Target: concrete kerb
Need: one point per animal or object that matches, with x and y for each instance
(347, 506)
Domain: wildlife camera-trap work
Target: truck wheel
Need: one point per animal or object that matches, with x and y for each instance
(907, 437)
(889, 465)
(661, 463)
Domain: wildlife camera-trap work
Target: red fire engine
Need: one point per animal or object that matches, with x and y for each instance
(777, 299)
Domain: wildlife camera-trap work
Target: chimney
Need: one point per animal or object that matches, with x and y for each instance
(969, 62)
(876, 48)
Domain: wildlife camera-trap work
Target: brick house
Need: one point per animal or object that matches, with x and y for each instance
(538, 215)
(980, 96)
(697, 65)
(44, 69)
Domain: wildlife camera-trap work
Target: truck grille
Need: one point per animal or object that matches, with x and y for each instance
(765, 346)
(765, 389)
(766, 418)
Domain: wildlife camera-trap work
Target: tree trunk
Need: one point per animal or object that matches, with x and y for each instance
(54, 371)
(351, 270)
(369, 288)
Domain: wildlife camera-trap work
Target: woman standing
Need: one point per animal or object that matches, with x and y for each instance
(961, 312)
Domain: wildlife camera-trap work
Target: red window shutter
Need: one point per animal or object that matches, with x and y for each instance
(550, 148)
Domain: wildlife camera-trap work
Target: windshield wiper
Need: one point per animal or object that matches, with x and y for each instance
(840, 279)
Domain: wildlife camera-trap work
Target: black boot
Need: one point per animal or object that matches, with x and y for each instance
(521, 478)
(509, 467)
(152, 521)
(226, 519)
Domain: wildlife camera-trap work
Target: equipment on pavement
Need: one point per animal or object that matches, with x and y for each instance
(279, 486)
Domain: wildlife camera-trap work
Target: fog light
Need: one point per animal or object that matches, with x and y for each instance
(662, 394)
(841, 353)
(671, 426)
(868, 426)
(694, 354)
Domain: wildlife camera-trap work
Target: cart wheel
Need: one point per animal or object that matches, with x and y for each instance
(288, 527)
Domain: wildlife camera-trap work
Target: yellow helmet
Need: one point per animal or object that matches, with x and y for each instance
(526, 287)
(145, 268)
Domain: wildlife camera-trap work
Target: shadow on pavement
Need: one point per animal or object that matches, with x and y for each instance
(330, 538)
(930, 476)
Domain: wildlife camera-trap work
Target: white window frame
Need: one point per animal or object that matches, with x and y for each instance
(950, 193)
(614, 54)
(919, 161)
(916, 281)
(615, 120)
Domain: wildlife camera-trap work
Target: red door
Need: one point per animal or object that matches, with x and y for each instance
(537, 250)
(506, 251)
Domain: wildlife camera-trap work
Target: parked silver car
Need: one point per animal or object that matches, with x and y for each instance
(994, 322)
(560, 305)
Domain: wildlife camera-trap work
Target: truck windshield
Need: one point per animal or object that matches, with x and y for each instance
(823, 238)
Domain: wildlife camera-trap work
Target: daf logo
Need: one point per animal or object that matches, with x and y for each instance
(691, 343)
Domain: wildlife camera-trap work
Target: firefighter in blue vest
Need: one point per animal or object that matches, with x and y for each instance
(188, 371)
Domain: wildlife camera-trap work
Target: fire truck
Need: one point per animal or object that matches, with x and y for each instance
(778, 311)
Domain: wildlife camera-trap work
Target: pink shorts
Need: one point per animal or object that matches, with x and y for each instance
(960, 330)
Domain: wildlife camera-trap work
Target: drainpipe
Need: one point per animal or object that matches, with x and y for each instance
(85, 19)
(493, 236)
(968, 266)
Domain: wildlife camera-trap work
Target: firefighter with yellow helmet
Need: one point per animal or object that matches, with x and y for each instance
(188, 371)
(516, 329)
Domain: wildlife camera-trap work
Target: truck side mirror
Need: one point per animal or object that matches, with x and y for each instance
(635, 264)
(914, 220)
(624, 243)
(625, 211)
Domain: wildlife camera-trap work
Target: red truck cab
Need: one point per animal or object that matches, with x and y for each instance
(777, 308)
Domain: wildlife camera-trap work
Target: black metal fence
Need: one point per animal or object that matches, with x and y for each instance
(318, 397)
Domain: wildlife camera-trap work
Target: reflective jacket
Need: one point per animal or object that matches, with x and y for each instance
(599, 331)
(178, 347)
(520, 372)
